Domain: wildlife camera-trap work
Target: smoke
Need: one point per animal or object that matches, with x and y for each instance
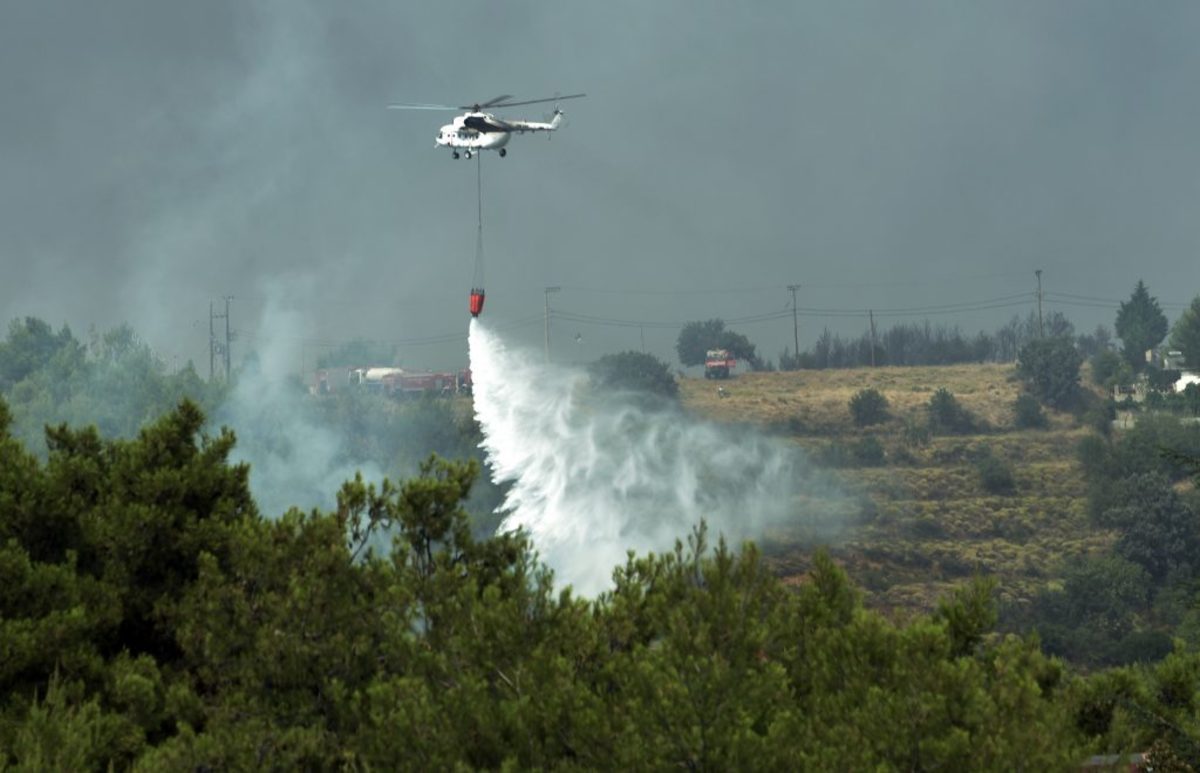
(295, 460)
(595, 475)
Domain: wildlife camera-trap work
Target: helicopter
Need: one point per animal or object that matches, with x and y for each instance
(477, 130)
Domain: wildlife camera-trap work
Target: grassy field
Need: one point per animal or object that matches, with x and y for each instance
(921, 522)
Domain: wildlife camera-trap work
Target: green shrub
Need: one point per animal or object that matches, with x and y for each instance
(904, 456)
(1158, 531)
(926, 527)
(1108, 369)
(947, 416)
(635, 371)
(1050, 368)
(834, 454)
(916, 434)
(1185, 403)
(995, 475)
(869, 407)
(1100, 415)
(1162, 379)
(1141, 647)
(1028, 413)
(1190, 397)
(868, 452)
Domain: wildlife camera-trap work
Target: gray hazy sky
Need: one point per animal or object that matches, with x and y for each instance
(889, 155)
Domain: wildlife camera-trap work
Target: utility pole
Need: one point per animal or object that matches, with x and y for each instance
(795, 330)
(1041, 332)
(871, 314)
(228, 340)
(215, 347)
(212, 343)
(547, 295)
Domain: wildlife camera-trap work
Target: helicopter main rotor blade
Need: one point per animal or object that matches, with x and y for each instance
(418, 106)
(537, 101)
(494, 100)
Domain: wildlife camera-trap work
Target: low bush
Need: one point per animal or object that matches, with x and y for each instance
(995, 475)
(868, 407)
(635, 371)
(926, 527)
(1028, 413)
(868, 452)
(916, 434)
(947, 416)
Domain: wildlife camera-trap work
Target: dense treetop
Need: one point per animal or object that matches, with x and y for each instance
(1050, 368)
(1140, 324)
(1185, 335)
(636, 372)
(697, 338)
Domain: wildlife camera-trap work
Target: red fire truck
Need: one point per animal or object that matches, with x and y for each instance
(392, 382)
(718, 363)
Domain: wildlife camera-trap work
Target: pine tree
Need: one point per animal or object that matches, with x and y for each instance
(1141, 325)
(1185, 336)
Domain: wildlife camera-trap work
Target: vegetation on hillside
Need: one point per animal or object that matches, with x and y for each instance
(154, 619)
(933, 507)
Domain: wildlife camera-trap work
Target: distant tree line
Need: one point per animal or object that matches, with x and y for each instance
(1140, 325)
(113, 380)
(928, 344)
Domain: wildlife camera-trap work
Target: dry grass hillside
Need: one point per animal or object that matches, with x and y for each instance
(922, 520)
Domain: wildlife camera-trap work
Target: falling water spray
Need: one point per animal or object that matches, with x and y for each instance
(593, 475)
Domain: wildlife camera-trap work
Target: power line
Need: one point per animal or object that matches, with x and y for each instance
(1039, 300)
(1113, 302)
(795, 324)
(1015, 300)
(421, 341)
(995, 303)
(940, 282)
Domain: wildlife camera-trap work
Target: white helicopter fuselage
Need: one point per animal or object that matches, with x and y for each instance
(476, 131)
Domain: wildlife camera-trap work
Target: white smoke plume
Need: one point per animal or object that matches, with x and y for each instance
(595, 475)
(294, 460)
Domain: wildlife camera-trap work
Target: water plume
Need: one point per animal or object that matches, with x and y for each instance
(593, 474)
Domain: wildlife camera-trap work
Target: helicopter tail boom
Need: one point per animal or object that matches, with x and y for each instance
(537, 126)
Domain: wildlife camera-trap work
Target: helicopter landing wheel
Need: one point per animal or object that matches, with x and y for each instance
(454, 154)
(467, 154)
(503, 152)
